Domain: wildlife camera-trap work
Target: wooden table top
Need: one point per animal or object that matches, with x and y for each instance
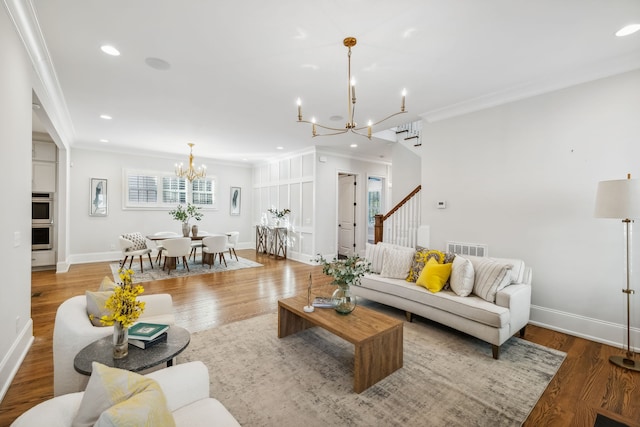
(359, 326)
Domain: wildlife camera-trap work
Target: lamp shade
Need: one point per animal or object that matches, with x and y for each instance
(618, 199)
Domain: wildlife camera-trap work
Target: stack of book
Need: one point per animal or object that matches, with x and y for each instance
(323, 302)
(144, 335)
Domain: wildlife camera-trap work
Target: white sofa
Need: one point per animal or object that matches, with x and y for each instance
(73, 331)
(493, 322)
(186, 389)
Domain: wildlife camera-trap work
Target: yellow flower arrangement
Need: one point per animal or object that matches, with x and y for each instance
(124, 306)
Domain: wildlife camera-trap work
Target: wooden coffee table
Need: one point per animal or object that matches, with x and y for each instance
(377, 337)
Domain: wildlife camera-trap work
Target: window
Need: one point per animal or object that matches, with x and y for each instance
(162, 190)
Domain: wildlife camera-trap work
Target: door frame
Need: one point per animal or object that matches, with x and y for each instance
(359, 248)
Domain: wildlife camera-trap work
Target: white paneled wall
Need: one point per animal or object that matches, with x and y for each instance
(288, 184)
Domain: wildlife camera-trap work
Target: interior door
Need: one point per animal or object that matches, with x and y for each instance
(346, 214)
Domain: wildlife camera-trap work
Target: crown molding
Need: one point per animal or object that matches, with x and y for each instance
(45, 81)
(573, 77)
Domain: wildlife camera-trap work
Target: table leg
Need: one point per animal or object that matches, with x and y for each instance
(376, 358)
(289, 323)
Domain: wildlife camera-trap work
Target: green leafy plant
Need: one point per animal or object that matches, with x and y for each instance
(346, 271)
(279, 214)
(185, 214)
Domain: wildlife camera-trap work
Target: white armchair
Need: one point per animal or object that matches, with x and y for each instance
(73, 331)
(185, 386)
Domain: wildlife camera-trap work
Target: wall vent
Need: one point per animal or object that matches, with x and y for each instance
(473, 249)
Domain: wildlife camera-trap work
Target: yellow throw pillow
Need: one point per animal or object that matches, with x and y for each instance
(434, 275)
(114, 396)
(420, 260)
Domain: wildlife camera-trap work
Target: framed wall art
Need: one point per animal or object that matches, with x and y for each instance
(98, 202)
(234, 201)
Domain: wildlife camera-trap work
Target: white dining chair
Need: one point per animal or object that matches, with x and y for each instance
(213, 246)
(134, 245)
(232, 242)
(195, 244)
(158, 243)
(174, 249)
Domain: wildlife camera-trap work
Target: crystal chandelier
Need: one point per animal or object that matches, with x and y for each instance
(191, 173)
(351, 125)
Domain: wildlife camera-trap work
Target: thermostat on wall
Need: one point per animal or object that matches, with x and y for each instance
(442, 204)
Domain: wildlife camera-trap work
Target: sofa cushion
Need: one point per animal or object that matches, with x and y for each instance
(420, 259)
(96, 306)
(517, 271)
(490, 277)
(375, 255)
(434, 275)
(471, 307)
(397, 262)
(462, 276)
(109, 387)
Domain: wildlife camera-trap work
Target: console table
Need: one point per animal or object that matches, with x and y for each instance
(272, 240)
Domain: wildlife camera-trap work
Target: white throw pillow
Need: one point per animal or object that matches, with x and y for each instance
(462, 276)
(397, 263)
(375, 255)
(490, 276)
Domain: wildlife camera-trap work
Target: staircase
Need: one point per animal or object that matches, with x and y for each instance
(400, 225)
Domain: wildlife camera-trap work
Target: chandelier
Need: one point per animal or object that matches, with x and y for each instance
(191, 173)
(351, 125)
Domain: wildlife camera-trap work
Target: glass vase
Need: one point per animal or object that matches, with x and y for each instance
(120, 341)
(344, 302)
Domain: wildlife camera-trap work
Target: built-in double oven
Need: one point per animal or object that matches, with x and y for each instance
(41, 221)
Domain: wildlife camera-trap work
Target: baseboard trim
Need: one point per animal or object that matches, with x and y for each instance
(609, 333)
(12, 362)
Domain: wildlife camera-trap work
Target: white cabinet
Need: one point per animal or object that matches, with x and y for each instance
(45, 151)
(42, 258)
(44, 177)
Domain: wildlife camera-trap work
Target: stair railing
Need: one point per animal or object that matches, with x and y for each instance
(400, 224)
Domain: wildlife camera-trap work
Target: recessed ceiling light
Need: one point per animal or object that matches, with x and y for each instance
(353, 145)
(157, 64)
(105, 116)
(110, 50)
(628, 30)
(279, 148)
(336, 118)
(104, 140)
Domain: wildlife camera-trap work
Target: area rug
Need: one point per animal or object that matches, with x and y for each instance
(195, 267)
(448, 379)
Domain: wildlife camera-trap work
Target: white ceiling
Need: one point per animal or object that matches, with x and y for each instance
(237, 66)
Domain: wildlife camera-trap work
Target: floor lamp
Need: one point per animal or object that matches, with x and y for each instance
(621, 199)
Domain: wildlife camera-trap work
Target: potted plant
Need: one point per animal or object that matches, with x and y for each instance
(124, 310)
(278, 215)
(184, 215)
(345, 272)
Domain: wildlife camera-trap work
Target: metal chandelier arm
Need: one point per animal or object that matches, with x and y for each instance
(350, 126)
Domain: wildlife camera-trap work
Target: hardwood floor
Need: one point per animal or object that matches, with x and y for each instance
(585, 385)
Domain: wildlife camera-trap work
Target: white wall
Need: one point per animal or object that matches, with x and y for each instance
(522, 178)
(327, 198)
(96, 238)
(16, 327)
(406, 174)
